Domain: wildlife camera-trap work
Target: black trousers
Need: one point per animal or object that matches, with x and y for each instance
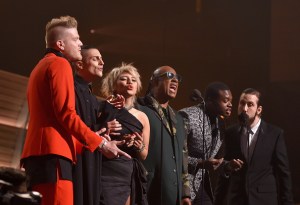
(203, 197)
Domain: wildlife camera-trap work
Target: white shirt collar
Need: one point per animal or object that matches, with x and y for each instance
(255, 128)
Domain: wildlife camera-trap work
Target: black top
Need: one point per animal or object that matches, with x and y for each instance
(87, 171)
(129, 122)
(87, 105)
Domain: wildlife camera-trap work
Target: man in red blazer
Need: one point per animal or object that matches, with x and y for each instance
(49, 150)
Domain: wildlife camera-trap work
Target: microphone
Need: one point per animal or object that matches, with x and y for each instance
(196, 96)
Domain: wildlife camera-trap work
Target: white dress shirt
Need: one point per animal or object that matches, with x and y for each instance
(252, 134)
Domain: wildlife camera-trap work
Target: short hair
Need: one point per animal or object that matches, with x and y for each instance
(255, 92)
(85, 48)
(111, 78)
(212, 90)
(63, 21)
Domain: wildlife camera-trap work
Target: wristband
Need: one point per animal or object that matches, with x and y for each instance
(103, 144)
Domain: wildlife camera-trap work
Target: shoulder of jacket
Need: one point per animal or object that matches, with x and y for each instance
(189, 110)
(267, 127)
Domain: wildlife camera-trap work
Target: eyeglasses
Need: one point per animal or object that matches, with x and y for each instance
(170, 76)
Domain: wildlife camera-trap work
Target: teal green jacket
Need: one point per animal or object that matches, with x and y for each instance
(164, 162)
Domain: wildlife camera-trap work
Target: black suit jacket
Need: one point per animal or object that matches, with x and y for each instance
(266, 178)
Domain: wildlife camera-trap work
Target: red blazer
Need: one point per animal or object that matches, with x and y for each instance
(53, 119)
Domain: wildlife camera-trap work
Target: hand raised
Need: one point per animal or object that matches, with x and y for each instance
(118, 101)
(138, 141)
(103, 133)
(129, 139)
(114, 127)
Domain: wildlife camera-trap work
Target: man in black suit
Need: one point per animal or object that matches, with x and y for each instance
(259, 174)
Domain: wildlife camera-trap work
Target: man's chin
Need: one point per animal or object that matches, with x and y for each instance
(227, 114)
(223, 116)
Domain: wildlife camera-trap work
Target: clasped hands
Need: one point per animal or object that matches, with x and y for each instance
(210, 164)
(135, 140)
(110, 148)
(130, 140)
(233, 165)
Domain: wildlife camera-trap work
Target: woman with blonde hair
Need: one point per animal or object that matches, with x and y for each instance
(123, 179)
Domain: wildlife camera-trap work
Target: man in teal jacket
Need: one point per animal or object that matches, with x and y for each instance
(167, 134)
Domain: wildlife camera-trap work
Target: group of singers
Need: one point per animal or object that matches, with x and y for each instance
(130, 150)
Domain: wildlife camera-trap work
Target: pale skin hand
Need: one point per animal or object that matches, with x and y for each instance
(118, 101)
(111, 150)
(129, 138)
(114, 127)
(138, 141)
(102, 133)
(142, 139)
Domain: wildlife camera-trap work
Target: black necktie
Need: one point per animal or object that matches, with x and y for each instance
(244, 141)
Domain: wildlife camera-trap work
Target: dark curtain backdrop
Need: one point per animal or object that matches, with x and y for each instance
(249, 43)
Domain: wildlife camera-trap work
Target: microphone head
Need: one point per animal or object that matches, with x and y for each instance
(244, 119)
(196, 96)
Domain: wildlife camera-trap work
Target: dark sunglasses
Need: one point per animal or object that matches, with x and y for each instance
(170, 75)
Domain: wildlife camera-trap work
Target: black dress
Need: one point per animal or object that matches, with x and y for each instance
(122, 177)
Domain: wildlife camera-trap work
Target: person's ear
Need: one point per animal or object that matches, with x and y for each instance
(79, 65)
(259, 110)
(60, 44)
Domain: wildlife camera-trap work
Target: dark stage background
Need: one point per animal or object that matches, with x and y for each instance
(245, 43)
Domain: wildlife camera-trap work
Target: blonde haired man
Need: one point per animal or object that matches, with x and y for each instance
(49, 150)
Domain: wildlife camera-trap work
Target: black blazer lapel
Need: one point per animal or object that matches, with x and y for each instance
(237, 136)
(259, 143)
